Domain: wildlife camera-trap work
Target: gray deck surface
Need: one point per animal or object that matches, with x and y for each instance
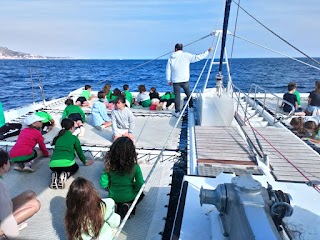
(214, 157)
(292, 148)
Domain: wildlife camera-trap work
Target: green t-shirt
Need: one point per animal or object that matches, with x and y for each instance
(86, 94)
(64, 151)
(108, 96)
(122, 188)
(298, 97)
(128, 96)
(47, 117)
(168, 96)
(113, 98)
(2, 118)
(73, 109)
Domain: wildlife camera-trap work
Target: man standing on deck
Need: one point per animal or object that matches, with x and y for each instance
(178, 72)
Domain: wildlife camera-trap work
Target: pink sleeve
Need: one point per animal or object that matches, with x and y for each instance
(42, 146)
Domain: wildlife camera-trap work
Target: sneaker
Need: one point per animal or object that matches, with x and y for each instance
(18, 166)
(28, 168)
(62, 180)
(171, 106)
(100, 128)
(76, 132)
(54, 180)
(176, 114)
(82, 131)
(124, 209)
(22, 225)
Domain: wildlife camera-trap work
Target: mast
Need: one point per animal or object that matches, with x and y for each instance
(219, 76)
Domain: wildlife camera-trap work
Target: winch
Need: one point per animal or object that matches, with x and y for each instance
(247, 209)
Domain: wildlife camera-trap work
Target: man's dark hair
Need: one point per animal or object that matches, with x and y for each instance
(86, 87)
(178, 46)
(291, 86)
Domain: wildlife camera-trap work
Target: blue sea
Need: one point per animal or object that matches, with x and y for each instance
(59, 77)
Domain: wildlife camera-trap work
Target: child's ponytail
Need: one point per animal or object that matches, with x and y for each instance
(66, 125)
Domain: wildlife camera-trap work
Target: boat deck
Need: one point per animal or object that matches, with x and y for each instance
(283, 147)
(152, 128)
(214, 157)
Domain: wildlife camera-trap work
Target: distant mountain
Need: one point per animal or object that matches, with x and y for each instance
(6, 53)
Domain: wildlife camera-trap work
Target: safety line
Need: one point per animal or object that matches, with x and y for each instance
(292, 164)
(277, 35)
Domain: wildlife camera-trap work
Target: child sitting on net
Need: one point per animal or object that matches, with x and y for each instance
(168, 100)
(88, 216)
(155, 100)
(76, 114)
(13, 212)
(100, 117)
(85, 96)
(62, 163)
(122, 119)
(122, 175)
(8, 129)
(143, 97)
(24, 153)
(47, 122)
(290, 97)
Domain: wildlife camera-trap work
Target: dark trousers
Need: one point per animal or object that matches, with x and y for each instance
(119, 205)
(72, 169)
(186, 88)
(9, 130)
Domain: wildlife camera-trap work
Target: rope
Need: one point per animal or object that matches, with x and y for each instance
(145, 123)
(142, 64)
(158, 158)
(292, 164)
(312, 59)
(259, 45)
(254, 134)
(234, 32)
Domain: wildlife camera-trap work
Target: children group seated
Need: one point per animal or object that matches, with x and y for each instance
(79, 221)
(122, 176)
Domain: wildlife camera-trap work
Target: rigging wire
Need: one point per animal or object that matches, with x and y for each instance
(147, 62)
(259, 45)
(292, 164)
(312, 59)
(123, 222)
(234, 32)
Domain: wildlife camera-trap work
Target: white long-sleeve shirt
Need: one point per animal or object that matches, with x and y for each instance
(122, 119)
(178, 66)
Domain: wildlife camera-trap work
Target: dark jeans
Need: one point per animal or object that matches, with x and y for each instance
(119, 205)
(72, 169)
(9, 130)
(186, 88)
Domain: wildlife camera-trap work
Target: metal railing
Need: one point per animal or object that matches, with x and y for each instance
(261, 101)
(40, 85)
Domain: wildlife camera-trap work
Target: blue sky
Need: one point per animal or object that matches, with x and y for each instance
(146, 29)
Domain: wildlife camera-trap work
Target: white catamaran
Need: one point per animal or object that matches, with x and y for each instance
(248, 175)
